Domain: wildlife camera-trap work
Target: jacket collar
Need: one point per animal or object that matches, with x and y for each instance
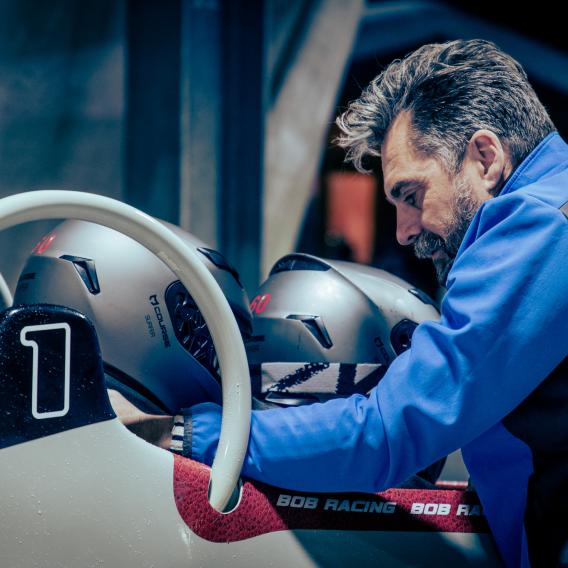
(545, 157)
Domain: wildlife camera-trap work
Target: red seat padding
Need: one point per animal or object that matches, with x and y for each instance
(264, 509)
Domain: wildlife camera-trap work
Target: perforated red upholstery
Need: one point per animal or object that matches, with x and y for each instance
(265, 509)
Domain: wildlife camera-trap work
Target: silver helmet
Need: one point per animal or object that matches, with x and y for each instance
(156, 347)
(325, 328)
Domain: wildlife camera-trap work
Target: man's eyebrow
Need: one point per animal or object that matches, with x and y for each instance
(397, 188)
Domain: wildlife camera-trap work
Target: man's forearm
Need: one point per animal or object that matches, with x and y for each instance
(154, 428)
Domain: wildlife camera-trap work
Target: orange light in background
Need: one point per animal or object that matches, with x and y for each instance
(351, 211)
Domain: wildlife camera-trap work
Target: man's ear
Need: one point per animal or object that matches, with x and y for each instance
(489, 160)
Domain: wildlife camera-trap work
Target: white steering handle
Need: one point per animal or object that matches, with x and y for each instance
(6, 298)
(235, 425)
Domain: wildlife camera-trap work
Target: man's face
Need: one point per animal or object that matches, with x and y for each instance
(433, 210)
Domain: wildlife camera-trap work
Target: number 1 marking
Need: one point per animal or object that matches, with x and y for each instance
(35, 368)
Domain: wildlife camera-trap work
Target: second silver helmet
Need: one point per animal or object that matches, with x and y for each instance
(328, 328)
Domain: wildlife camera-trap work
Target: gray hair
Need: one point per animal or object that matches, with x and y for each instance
(452, 89)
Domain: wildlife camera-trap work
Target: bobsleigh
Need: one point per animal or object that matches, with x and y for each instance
(78, 489)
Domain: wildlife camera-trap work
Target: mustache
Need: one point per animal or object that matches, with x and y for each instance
(426, 244)
(464, 207)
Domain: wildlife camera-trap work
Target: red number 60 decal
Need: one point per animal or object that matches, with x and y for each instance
(259, 304)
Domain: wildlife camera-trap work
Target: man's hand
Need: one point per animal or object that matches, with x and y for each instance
(153, 428)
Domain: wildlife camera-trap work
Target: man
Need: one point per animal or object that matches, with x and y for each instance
(479, 178)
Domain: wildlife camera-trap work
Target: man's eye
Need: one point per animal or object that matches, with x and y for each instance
(411, 199)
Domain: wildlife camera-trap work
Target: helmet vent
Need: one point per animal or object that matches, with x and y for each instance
(190, 328)
(317, 328)
(86, 270)
(299, 262)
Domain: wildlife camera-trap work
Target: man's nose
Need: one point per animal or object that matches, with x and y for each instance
(408, 226)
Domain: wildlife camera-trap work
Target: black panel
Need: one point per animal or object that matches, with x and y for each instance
(26, 419)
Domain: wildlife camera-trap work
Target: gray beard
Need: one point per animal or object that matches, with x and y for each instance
(464, 207)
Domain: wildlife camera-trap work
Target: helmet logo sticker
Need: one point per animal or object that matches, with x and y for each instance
(259, 304)
(153, 299)
(343, 379)
(298, 376)
(44, 243)
(382, 349)
(150, 325)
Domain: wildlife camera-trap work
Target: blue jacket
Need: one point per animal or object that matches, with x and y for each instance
(490, 377)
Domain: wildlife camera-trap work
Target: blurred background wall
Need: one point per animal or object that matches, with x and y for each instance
(218, 114)
(62, 105)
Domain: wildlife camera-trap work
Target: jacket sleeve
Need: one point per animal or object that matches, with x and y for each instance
(503, 329)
